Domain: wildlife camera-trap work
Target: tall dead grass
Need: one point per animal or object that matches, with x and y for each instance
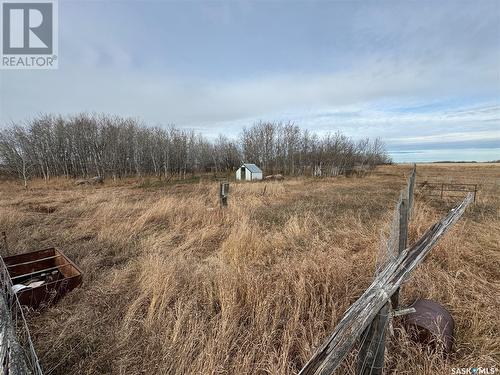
(174, 285)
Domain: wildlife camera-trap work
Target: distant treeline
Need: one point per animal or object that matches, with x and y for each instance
(99, 145)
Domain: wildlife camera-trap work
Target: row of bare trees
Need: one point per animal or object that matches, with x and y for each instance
(285, 148)
(99, 145)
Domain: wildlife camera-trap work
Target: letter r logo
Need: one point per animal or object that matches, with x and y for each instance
(27, 28)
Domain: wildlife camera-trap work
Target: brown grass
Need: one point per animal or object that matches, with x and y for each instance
(173, 285)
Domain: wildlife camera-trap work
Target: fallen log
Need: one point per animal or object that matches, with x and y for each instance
(274, 177)
(90, 181)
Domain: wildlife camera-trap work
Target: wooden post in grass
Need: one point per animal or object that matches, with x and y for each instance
(223, 193)
(371, 354)
(403, 241)
(358, 317)
(370, 360)
(12, 354)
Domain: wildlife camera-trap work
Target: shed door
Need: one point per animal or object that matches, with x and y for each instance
(243, 173)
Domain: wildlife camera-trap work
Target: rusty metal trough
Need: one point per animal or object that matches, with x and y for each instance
(42, 276)
(432, 324)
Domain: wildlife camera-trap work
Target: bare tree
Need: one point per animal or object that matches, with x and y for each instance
(98, 145)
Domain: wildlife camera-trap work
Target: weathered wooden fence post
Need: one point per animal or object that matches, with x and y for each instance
(361, 313)
(17, 353)
(371, 354)
(223, 193)
(370, 359)
(403, 240)
(405, 207)
(12, 356)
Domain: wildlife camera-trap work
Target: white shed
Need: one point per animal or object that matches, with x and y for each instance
(248, 172)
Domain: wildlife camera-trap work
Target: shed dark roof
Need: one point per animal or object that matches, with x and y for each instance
(252, 168)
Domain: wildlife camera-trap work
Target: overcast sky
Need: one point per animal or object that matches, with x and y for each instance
(422, 75)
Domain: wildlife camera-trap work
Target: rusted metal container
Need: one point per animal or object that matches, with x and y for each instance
(42, 276)
(431, 324)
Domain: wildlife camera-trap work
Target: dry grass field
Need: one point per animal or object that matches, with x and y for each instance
(174, 285)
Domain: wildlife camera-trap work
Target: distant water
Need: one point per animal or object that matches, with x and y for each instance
(464, 154)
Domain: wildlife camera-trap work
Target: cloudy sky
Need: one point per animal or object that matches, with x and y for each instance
(422, 75)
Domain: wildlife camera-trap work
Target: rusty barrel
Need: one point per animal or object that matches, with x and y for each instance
(432, 324)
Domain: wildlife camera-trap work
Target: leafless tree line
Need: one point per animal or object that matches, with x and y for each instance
(286, 148)
(98, 145)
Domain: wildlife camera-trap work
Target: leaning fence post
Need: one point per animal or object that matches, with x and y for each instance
(330, 354)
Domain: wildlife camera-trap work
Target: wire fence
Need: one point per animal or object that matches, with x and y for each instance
(17, 352)
(390, 244)
(367, 319)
